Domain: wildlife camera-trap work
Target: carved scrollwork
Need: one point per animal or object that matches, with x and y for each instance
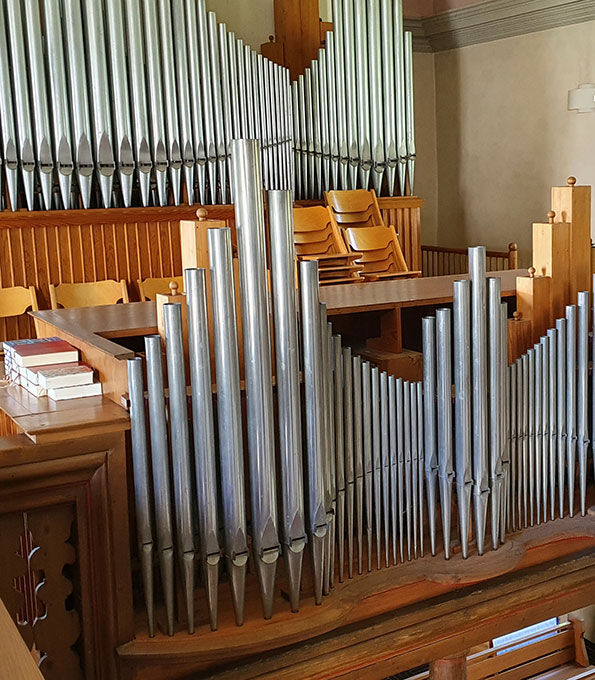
(36, 556)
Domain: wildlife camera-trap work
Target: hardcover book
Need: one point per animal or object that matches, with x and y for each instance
(44, 353)
(60, 393)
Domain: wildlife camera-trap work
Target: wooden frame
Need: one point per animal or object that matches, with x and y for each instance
(388, 621)
(71, 466)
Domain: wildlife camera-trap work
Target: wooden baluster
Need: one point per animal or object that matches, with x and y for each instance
(519, 336)
(513, 256)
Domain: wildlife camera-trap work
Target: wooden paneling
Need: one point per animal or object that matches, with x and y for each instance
(404, 213)
(77, 246)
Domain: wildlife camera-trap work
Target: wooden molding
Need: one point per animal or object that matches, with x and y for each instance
(495, 20)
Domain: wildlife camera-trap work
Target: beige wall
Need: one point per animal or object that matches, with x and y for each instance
(426, 172)
(251, 20)
(505, 136)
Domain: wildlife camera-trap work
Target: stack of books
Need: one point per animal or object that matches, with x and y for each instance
(49, 367)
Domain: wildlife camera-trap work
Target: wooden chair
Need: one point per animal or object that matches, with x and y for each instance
(14, 302)
(380, 252)
(358, 208)
(17, 300)
(88, 294)
(316, 237)
(149, 288)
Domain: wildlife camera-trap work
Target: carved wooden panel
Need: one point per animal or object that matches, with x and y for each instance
(37, 561)
(64, 551)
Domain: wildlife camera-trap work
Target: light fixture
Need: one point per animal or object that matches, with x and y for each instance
(582, 99)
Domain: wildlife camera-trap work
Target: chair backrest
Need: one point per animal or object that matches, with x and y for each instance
(379, 248)
(357, 208)
(149, 288)
(315, 232)
(16, 300)
(88, 294)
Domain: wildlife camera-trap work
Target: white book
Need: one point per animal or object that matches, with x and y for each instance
(65, 375)
(59, 393)
(35, 390)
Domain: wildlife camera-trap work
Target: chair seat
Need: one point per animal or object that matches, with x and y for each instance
(380, 250)
(331, 258)
(350, 279)
(327, 272)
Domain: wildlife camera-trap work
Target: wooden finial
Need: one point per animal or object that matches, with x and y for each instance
(532, 272)
(202, 214)
(517, 316)
(173, 286)
(550, 216)
(271, 38)
(571, 181)
(512, 246)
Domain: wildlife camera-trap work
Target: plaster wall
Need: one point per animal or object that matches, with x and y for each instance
(505, 135)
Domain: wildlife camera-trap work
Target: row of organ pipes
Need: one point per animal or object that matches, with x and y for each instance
(135, 102)
(364, 470)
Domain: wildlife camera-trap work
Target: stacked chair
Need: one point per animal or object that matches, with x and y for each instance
(316, 237)
(357, 215)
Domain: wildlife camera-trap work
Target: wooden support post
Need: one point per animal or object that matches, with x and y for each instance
(450, 668)
(390, 339)
(534, 302)
(572, 204)
(519, 337)
(194, 239)
(174, 296)
(551, 257)
(297, 28)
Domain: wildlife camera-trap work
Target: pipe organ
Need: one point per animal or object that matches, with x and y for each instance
(136, 102)
(364, 470)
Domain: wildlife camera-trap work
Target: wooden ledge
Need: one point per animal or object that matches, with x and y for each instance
(392, 617)
(44, 420)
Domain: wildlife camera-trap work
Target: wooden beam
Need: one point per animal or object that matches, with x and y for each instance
(297, 27)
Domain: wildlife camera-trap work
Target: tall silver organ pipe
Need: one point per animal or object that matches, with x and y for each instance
(363, 467)
(111, 103)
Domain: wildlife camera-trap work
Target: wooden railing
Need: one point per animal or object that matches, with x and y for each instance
(439, 261)
(529, 656)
